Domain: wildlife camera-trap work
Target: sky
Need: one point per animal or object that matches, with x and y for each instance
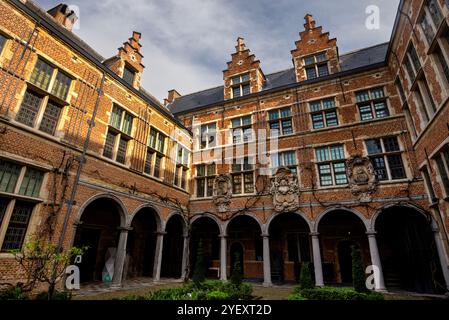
(186, 43)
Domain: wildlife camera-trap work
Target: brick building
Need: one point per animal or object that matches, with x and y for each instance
(275, 170)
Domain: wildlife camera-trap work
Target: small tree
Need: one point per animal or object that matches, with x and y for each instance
(305, 277)
(236, 276)
(199, 273)
(358, 274)
(42, 262)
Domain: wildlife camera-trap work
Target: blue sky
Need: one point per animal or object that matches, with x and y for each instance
(186, 43)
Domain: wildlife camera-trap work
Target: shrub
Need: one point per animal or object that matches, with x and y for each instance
(199, 273)
(13, 293)
(236, 277)
(358, 273)
(169, 294)
(296, 296)
(339, 294)
(57, 295)
(217, 295)
(305, 278)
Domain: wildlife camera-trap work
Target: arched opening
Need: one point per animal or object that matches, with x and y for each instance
(408, 252)
(99, 232)
(246, 231)
(236, 252)
(206, 230)
(339, 231)
(141, 244)
(289, 246)
(173, 246)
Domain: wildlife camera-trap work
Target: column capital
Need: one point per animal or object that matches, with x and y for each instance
(371, 233)
(161, 233)
(265, 235)
(222, 235)
(314, 234)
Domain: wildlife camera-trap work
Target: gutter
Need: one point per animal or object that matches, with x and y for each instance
(44, 23)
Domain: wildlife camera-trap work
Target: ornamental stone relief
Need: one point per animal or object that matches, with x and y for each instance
(285, 190)
(361, 177)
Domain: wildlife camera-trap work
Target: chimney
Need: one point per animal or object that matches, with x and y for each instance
(172, 95)
(310, 23)
(64, 16)
(240, 44)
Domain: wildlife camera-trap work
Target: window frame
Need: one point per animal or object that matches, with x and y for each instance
(316, 65)
(280, 157)
(372, 102)
(240, 85)
(208, 144)
(386, 155)
(280, 121)
(15, 196)
(131, 70)
(242, 128)
(156, 167)
(242, 172)
(443, 159)
(324, 112)
(180, 175)
(205, 178)
(332, 166)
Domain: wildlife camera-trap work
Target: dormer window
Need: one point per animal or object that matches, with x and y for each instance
(240, 85)
(129, 74)
(316, 66)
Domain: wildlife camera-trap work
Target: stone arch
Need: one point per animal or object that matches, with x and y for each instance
(266, 226)
(227, 223)
(124, 217)
(149, 206)
(316, 222)
(171, 215)
(210, 216)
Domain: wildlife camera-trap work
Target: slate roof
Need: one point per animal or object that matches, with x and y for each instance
(349, 61)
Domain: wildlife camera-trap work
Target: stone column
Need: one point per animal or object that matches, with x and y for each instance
(223, 256)
(441, 254)
(185, 257)
(266, 261)
(158, 256)
(375, 260)
(317, 260)
(120, 257)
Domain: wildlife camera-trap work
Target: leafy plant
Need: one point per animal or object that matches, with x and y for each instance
(199, 273)
(296, 296)
(217, 295)
(358, 273)
(57, 295)
(13, 293)
(338, 294)
(305, 278)
(236, 276)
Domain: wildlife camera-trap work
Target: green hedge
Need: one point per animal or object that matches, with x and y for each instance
(336, 294)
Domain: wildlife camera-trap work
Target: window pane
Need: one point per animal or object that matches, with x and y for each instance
(362, 96)
(373, 146)
(435, 12)
(41, 75)
(237, 184)
(340, 173)
(329, 103)
(236, 122)
(127, 124)
(274, 128)
(410, 72)
(323, 70)
(200, 170)
(2, 42)
(9, 173)
(245, 77)
(366, 112)
(287, 127)
(235, 80)
(200, 188)
(443, 63)
(148, 161)
(381, 110)
(210, 187)
(380, 168)
(18, 225)
(246, 121)
(32, 182)
(109, 145)
(311, 73)
(121, 151)
(325, 175)
(321, 57)
(3, 206)
(237, 136)
(116, 117)
(236, 92)
(331, 119)
(273, 114)
(391, 144)
(309, 60)
(152, 138)
(286, 112)
(246, 89)
(210, 169)
(414, 57)
(128, 75)
(289, 158)
(396, 167)
(249, 182)
(315, 106)
(161, 143)
(443, 174)
(61, 86)
(157, 166)
(377, 93)
(29, 108)
(337, 152)
(401, 90)
(318, 121)
(247, 135)
(322, 154)
(50, 118)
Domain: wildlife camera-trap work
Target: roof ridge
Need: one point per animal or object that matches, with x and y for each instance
(366, 48)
